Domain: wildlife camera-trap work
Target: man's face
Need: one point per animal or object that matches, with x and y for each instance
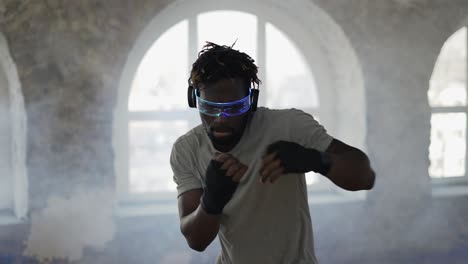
(224, 131)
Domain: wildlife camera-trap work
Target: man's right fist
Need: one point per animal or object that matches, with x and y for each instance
(221, 179)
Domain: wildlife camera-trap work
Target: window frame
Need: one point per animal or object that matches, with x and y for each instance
(19, 210)
(329, 76)
(453, 185)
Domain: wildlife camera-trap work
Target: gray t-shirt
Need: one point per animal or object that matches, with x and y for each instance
(262, 223)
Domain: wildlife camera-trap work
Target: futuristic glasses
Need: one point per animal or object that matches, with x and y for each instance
(226, 109)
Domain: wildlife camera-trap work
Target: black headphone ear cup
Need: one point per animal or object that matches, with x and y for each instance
(254, 99)
(192, 99)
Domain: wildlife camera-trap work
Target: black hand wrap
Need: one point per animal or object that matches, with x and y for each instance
(218, 190)
(298, 159)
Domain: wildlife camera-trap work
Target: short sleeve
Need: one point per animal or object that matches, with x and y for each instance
(182, 167)
(307, 131)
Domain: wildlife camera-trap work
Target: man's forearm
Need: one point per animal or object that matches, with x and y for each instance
(200, 228)
(351, 171)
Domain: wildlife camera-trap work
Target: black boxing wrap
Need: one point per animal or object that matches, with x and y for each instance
(218, 189)
(298, 159)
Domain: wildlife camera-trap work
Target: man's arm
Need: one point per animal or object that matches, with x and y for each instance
(200, 210)
(350, 167)
(198, 227)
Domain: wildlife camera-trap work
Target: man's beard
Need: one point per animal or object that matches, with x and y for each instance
(227, 141)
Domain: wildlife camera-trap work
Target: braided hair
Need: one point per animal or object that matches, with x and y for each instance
(216, 62)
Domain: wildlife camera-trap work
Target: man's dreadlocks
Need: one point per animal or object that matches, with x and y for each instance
(216, 62)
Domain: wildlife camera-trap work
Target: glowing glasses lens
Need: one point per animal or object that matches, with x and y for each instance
(227, 109)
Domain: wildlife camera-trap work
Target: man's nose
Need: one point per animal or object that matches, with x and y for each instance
(221, 118)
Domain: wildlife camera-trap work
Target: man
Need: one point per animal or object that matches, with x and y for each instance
(241, 174)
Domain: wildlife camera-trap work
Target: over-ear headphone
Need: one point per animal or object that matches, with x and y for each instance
(192, 98)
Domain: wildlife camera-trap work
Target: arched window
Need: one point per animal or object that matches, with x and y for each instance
(152, 109)
(13, 179)
(447, 98)
(158, 111)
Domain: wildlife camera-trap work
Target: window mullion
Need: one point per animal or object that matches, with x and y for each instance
(261, 56)
(192, 40)
(449, 109)
(193, 49)
(466, 105)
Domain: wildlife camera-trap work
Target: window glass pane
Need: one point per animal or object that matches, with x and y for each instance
(448, 81)
(289, 80)
(160, 83)
(312, 177)
(224, 27)
(150, 148)
(448, 142)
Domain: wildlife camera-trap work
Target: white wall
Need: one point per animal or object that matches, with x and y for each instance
(6, 191)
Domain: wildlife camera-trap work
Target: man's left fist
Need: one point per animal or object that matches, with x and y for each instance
(289, 157)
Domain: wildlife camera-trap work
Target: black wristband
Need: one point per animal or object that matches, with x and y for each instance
(208, 204)
(218, 189)
(298, 159)
(325, 163)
